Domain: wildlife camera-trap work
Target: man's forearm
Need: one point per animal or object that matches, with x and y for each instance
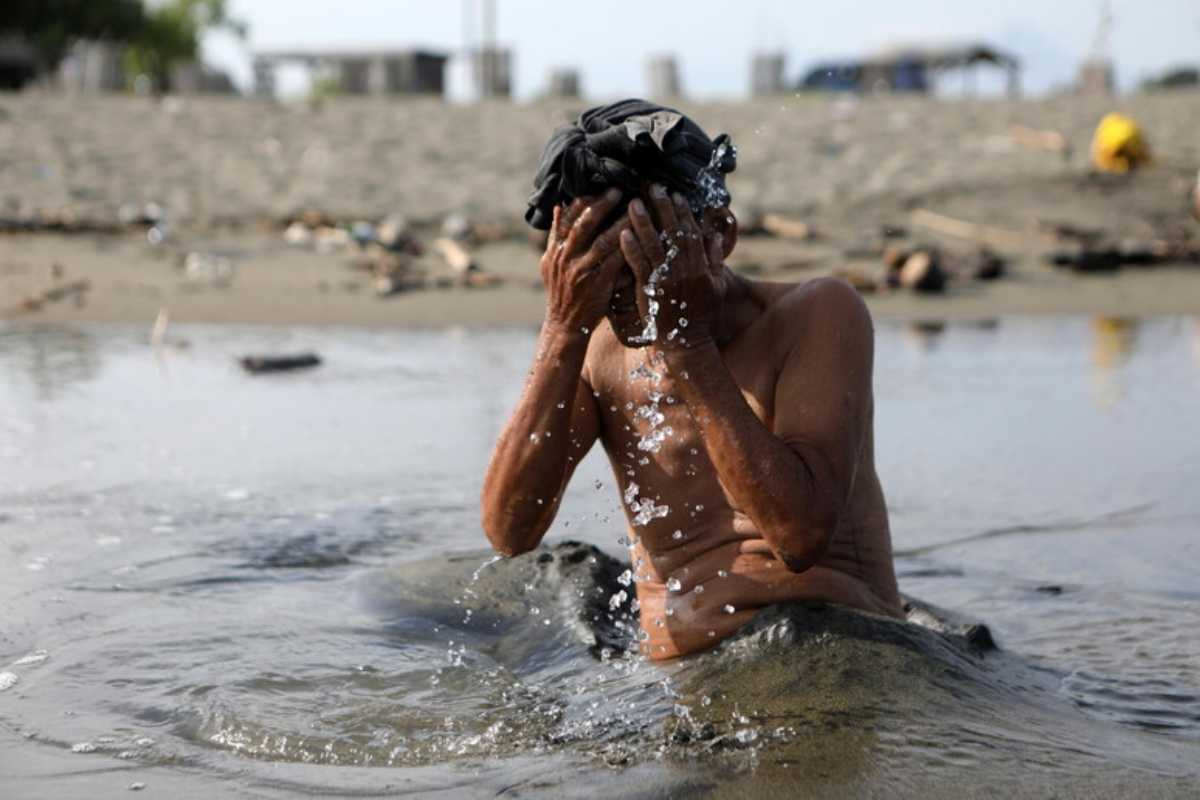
(537, 447)
(789, 496)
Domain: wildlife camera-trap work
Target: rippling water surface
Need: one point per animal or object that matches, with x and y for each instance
(216, 584)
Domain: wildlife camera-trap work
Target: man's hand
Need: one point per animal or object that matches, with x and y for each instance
(580, 264)
(676, 267)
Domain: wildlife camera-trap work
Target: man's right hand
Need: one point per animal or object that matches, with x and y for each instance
(581, 263)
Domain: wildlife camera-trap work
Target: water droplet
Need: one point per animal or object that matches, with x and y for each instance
(625, 578)
(706, 701)
(699, 589)
(670, 612)
(561, 406)
(728, 609)
(585, 330)
(677, 535)
(534, 610)
(673, 585)
(712, 634)
(533, 437)
(722, 573)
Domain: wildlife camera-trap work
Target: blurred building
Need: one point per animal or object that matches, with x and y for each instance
(662, 77)
(911, 69)
(492, 70)
(18, 62)
(1096, 77)
(767, 74)
(93, 66)
(375, 72)
(564, 83)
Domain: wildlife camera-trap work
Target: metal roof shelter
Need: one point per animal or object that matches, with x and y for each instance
(910, 69)
(366, 71)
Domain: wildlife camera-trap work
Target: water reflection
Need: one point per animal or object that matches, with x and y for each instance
(52, 358)
(1114, 340)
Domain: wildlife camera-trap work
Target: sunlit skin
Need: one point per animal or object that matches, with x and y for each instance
(769, 472)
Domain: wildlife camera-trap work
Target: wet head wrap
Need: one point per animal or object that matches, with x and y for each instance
(629, 145)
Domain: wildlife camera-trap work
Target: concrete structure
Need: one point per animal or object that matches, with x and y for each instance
(93, 67)
(1096, 77)
(375, 72)
(912, 69)
(662, 77)
(492, 71)
(193, 77)
(563, 83)
(767, 74)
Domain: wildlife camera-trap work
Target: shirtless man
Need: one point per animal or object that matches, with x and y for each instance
(757, 483)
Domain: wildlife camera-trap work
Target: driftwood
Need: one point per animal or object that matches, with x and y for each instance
(259, 365)
(1049, 141)
(778, 225)
(972, 231)
(74, 289)
(457, 256)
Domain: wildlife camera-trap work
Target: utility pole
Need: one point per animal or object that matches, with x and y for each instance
(488, 54)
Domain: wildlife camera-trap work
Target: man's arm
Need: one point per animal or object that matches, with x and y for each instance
(555, 422)
(793, 482)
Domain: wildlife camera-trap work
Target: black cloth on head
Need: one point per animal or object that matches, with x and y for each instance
(629, 145)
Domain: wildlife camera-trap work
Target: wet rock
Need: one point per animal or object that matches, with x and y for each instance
(985, 265)
(259, 365)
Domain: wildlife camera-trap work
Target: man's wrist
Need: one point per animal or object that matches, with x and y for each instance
(696, 351)
(560, 335)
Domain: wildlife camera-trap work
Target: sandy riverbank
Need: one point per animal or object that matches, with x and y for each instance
(228, 174)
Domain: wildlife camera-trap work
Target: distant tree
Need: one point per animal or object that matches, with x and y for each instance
(172, 35)
(52, 26)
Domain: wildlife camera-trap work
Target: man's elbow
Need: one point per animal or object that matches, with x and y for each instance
(507, 538)
(804, 551)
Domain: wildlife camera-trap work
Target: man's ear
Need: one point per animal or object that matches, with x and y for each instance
(722, 221)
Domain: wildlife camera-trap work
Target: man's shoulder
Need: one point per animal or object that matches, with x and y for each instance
(815, 306)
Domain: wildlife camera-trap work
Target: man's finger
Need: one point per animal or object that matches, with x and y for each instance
(609, 241)
(571, 213)
(647, 235)
(692, 243)
(555, 222)
(664, 210)
(583, 230)
(635, 256)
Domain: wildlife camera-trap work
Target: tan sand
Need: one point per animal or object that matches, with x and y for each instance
(228, 172)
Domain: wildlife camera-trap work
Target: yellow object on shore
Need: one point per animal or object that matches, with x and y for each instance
(1118, 145)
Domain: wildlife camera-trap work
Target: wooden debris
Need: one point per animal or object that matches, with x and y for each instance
(922, 272)
(457, 256)
(72, 290)
(260, 365)
(972, 231)
(784, 227)
(1034, 139)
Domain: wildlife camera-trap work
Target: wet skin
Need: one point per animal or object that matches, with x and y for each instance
(769, 472)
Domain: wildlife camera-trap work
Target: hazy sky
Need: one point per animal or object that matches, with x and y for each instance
(609, 40)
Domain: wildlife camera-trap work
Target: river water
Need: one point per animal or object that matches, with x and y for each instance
(217, 584)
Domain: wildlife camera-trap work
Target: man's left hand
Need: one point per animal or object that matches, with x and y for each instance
(675, 264)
